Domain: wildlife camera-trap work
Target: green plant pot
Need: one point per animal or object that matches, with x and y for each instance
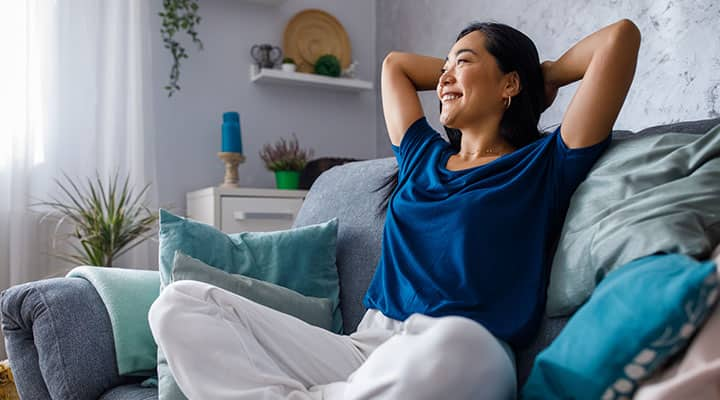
(287, 179)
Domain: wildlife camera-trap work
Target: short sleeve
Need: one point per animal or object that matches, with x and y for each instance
(573, 165)
(419, 136)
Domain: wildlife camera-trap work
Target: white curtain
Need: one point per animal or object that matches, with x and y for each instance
(75, 97)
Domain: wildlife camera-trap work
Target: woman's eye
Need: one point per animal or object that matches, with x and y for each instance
(459, 61)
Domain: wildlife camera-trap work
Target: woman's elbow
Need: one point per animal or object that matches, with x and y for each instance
(390, 59)
(627, 33)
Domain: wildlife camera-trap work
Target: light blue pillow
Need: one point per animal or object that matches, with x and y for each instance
(300, 259)
(313, 310)
(639, 316)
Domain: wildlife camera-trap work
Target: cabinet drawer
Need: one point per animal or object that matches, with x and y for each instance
(257, 214)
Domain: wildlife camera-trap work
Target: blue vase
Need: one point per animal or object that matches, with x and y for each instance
(231, 140)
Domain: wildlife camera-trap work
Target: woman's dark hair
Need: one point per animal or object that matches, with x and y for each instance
(513, 51)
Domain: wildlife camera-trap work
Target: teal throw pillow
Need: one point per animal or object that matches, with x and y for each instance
(300, 259)
(639, 316)
(313, 310)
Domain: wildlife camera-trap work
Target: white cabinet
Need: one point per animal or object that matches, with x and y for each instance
(245, 209)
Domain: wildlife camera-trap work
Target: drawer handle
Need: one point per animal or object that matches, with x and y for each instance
(240, 215)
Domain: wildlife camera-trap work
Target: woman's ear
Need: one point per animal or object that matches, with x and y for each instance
(512, 84)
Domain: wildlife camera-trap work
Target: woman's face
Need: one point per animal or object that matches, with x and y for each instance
(471, 85)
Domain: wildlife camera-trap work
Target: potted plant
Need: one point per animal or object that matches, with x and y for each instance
(288, 65)
(287, 160)
(107, 219)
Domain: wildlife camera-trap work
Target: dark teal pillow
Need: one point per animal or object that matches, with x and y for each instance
(313, 310)
(639, 316)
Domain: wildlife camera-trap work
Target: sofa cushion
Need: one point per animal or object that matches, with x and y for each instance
(644, 195)
(316, 311)
(641, 314)
(347, 192)
(301, 259)
(131, 391)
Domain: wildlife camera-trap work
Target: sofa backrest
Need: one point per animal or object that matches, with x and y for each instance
(346, 191)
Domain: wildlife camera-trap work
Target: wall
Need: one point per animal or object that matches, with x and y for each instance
(216, 79)
(677, 74)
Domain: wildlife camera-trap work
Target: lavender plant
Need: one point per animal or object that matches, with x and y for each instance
(285, 155)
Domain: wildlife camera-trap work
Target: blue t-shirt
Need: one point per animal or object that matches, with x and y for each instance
(477, 242)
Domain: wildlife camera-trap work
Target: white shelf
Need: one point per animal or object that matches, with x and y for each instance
(276, 76)
(265, 2)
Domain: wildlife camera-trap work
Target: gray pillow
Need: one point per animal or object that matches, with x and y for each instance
(656, 192)
(313, 310)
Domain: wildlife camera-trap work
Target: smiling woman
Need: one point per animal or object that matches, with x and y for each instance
(470, 224)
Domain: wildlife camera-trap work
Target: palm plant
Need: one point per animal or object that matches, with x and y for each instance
(108, 220)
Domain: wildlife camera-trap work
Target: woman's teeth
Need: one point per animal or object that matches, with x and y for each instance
(449, 97)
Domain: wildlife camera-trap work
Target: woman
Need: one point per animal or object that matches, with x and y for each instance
(468, 238)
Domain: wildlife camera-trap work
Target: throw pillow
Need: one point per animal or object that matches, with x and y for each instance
(300, 259)
(645, 195)
(639, 316)
(313, 310)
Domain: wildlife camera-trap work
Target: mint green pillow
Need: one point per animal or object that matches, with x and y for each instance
(641, 314)
(313, 310)
(300, 259)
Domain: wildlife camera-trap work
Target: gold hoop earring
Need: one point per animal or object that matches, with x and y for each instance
(508, 102)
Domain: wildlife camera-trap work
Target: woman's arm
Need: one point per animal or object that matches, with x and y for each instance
(403, 74)
(605, 61)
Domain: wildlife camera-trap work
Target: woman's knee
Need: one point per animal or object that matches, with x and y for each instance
(471, 356)
(167, 311)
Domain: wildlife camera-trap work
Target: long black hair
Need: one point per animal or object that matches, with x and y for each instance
(513, 51)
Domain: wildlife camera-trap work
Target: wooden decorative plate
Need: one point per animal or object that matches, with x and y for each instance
(312, 33)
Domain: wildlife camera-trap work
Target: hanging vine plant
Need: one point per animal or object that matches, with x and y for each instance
(178, 16)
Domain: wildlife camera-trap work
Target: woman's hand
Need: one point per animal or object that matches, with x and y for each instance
(551, 88)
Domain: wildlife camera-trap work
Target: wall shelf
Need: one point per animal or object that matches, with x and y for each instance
(276, 76)
(265, 2)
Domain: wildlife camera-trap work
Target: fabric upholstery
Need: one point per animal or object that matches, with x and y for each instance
(626, 331)
(59, 340)
(316, 311)
(645, 195)
(130, 392)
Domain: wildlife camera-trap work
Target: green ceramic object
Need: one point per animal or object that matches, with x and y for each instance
(328, 65)
(287, 179)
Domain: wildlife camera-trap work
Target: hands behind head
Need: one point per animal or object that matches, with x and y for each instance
(551, 88)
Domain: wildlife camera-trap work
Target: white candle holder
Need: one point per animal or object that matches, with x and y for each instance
(232, 160)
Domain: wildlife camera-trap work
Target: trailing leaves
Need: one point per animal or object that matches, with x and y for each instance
(178, 16)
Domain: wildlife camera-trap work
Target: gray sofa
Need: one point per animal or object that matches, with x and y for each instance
(58, 334)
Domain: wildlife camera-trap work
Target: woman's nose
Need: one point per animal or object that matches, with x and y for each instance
(446, 78)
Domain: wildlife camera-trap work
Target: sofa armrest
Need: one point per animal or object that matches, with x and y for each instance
(59, 340)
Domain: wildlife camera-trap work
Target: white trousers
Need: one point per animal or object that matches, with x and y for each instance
(222, 346)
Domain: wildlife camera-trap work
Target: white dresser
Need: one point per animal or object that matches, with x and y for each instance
(245, 209)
